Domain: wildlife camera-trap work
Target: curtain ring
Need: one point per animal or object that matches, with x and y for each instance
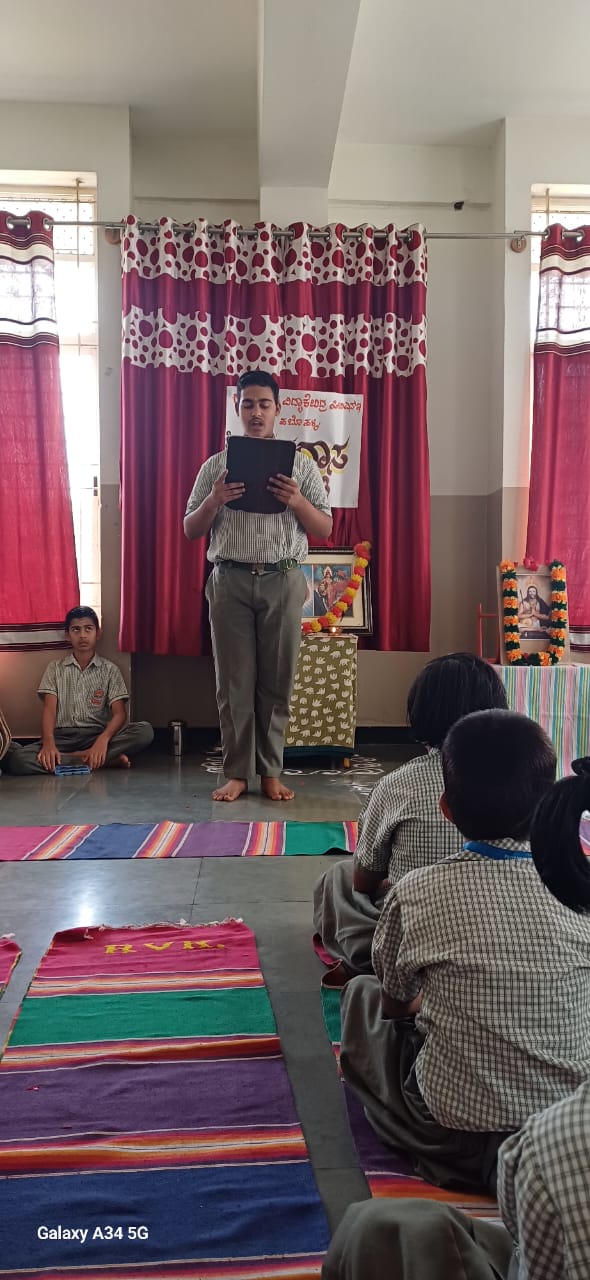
(13, 223)
(47, 223)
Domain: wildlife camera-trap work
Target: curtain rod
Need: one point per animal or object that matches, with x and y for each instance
(519, 237)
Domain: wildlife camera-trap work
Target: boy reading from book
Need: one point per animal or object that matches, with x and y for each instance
(84, 709)
(256, 594)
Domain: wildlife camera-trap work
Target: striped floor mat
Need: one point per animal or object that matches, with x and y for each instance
(175, 840)
(10, 954)
(388, 1173)
(147, 1125)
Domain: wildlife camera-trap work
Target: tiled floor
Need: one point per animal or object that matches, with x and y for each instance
(272, 895)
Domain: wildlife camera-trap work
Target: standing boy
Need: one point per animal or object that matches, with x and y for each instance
(256, 594)
(84, 708)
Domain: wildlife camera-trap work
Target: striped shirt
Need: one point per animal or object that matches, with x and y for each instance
(84, 697)
(504, 971)
(401, 827)
(254, 538)
(544, 1190)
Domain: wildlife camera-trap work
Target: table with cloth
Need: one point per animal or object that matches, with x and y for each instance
(558, 698)
(323, 704)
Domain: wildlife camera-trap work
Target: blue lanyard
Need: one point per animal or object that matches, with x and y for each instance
(492, 851)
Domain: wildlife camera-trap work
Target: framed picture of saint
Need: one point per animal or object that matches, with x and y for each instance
(534, 610)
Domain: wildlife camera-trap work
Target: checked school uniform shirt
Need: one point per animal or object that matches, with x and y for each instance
(504, 971)
(401, 827)
(544, 1191)
(84, 697)
(258, 538)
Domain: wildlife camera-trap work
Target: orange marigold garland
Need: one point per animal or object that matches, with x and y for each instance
(557, 622)
(333, 617)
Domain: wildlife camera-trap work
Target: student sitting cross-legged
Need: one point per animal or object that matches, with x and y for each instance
(402, 826)
(480, 1011)
(543, 1171)
(84, 709)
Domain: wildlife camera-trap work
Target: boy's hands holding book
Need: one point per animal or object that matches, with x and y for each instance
(223, 493)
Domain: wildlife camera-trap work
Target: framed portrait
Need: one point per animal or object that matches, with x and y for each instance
(534, 610)
(327, 573)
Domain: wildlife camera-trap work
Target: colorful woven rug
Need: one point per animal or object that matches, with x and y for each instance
(147, 1125)
(175, 840)
(10, 954)
(387, 1172)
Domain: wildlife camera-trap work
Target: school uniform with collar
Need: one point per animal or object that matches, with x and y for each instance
(504, 1025)
(84, 700)
(255, 594)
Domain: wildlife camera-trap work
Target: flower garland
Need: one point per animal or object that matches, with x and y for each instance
(333, 618)
(557, 623)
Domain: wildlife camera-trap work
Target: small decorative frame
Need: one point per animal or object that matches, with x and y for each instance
(533, 611)
(338, 577)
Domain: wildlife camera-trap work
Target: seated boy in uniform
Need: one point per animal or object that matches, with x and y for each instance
(542, 1170)
(84, 709)
(476, 1018)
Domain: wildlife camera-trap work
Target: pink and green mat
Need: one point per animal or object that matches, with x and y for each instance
(175, 840)
(145, 1103)
(388, 1173)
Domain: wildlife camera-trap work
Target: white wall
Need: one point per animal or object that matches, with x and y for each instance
(187, 177)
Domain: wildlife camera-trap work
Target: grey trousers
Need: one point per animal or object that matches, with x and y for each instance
(256, 632)
(131, 739)
(417, 1240)
(345, 920)
(377, 1058)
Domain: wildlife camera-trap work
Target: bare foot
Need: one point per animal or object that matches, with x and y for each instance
(274, 789)
(231, 790)
(120, 762)
(338, 976)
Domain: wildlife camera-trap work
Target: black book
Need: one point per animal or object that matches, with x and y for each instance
(254, 462)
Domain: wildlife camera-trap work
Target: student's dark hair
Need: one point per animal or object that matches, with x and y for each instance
(449, 688)
(497, 766)
(80, 611)
(257, 378)
(555, 839)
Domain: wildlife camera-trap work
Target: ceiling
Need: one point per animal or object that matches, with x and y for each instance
(446, 71)
(183, 66)
(426, 72)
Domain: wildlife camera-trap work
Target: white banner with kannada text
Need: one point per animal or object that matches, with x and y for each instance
(328, 427)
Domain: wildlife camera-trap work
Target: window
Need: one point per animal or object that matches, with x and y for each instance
(568, 206)
(77, 321)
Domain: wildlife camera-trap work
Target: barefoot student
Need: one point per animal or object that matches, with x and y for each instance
(84, 709)
(256, 593)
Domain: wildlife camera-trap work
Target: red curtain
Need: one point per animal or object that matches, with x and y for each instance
(322, 314)
(559, 506)
(39, 576)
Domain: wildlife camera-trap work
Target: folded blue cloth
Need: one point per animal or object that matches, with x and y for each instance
(61, 770)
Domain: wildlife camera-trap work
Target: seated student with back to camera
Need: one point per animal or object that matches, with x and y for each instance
(401, 827)
(543, 1171)
(496, 972)
(84, 708)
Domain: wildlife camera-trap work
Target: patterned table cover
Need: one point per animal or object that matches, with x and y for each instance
(558, 698)
(323, 705)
